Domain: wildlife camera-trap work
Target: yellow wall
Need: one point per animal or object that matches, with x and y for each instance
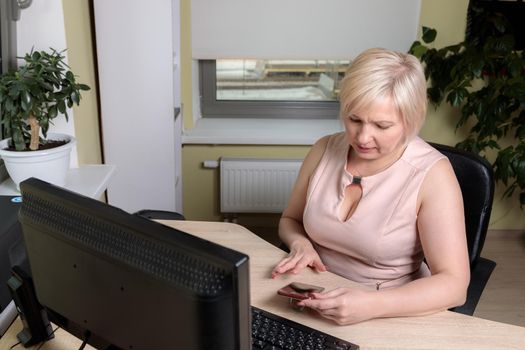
(440, 124)
(201, 186)
(81, 60)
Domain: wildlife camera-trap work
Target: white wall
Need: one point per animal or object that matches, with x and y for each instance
(135, 60)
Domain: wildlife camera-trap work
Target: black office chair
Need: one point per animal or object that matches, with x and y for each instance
(154, 214)
(476, 180)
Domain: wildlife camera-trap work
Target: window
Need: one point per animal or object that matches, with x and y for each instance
(299, 30)
(270, 88)
(7, 40)
(7, 35)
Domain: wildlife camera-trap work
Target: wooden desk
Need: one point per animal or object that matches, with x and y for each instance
(444, 330)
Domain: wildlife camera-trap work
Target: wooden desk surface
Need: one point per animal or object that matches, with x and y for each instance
(443, 330)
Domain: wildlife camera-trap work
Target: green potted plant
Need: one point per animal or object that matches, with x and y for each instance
(484, 77)
(32, 96)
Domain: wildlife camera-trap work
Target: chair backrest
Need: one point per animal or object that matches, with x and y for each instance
(154, 214)
(476, 179)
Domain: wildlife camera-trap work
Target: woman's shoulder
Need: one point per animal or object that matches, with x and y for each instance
(334, 141)
(440, 180)
(330, 141)
(324, 146)
(421, 154)
(338, 138)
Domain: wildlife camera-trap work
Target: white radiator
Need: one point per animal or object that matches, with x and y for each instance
(250, 185)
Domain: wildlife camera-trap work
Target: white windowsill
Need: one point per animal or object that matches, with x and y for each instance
(244, 131)
(88, 180)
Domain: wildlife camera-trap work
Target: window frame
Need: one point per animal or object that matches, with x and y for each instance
(7, 42)
(213, 108)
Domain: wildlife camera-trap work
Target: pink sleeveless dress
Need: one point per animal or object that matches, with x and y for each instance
(379, 244)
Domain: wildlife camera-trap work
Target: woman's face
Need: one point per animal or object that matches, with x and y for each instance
(376, 132)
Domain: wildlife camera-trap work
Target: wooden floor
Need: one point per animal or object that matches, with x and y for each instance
(503, 299)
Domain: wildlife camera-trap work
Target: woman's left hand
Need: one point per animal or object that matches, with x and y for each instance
(342, 305)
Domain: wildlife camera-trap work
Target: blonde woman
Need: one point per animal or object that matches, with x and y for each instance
(372, 202)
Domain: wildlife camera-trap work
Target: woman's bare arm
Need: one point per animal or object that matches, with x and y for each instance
(291, 230)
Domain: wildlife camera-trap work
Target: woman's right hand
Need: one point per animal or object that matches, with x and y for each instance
(291, 229)
(301, 255)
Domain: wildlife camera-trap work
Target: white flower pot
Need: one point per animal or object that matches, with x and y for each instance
(50, 165)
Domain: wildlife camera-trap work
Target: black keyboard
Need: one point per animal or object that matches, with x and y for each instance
(270, 331)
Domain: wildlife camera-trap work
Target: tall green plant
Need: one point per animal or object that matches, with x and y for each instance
(34, 94)
(485, 78)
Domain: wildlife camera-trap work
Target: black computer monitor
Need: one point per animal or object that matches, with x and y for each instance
(128, 282)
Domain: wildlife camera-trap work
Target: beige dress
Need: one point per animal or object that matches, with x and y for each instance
(379, 244)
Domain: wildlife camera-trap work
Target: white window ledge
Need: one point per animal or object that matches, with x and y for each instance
(244, 131)
(88, 180)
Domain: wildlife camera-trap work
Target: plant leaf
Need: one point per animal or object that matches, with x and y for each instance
(18, 140)
(52, 113)
(26, 101)
(75, 97)
(61, 106)
(456, 97)
(429, 35)
(418, 50)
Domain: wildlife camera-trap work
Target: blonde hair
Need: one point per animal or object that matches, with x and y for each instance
(379, 73)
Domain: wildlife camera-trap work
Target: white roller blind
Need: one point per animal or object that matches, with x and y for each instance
(300, 29)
